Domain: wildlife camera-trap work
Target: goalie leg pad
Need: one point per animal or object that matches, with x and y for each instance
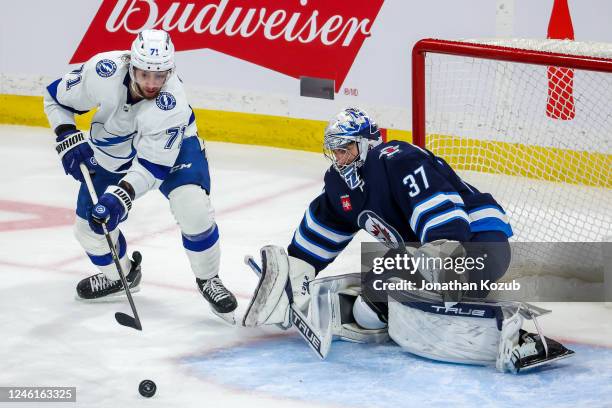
(471, 332)
(461, 334)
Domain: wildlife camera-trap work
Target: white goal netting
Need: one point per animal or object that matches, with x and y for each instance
(538, 137)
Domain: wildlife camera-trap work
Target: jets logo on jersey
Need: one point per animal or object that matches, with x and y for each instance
(379, 229)
(165, 101)
(345, 200)
(389, 151)
(106, 68)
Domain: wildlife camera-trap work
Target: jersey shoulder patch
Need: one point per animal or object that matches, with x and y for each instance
(389, 151)
(398, 151)
(165, 101)
(106, 67)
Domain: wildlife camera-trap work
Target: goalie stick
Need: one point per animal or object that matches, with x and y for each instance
(319, 343)
(122, 318)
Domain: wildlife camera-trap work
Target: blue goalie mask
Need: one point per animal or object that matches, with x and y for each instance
(348, 138)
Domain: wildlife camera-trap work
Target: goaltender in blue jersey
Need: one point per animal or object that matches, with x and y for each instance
(414, 203)
(398, 193)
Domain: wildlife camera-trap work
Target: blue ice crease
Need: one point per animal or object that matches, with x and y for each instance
(359, 375)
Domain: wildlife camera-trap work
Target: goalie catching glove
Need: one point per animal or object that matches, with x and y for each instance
(434, 255)
(284, 280)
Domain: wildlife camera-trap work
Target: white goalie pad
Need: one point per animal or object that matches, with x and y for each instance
(466, 339)
(331, 309)
(470, 332)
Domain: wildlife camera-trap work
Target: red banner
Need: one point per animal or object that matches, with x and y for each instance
(315, 38)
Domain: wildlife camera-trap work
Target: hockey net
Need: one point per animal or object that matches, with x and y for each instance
(529, 121)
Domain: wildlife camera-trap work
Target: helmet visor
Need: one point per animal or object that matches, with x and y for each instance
(340, 151)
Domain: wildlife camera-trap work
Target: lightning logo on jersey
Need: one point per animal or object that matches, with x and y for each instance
(165, 101)
(106, 68)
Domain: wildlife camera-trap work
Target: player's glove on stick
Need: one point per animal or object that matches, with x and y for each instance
(112, 208)
(73, 149)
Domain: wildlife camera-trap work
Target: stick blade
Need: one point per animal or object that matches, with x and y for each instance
(128, 321)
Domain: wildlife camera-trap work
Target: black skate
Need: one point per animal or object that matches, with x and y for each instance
(99, 288)
(533, 352)
(222, 301)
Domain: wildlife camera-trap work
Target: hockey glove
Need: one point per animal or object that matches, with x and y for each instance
(434, 255)
(112, 208)
(73, 149)
(434, 269)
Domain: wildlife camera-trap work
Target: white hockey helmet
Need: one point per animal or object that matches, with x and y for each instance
(152, 50)
(351, 125)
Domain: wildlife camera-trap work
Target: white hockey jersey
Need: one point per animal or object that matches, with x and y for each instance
(140, 139)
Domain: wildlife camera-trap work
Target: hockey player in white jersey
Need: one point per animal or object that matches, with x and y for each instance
(143, 137)
(412, 202)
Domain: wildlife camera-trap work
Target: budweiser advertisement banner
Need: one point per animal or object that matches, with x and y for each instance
(249, 55)
(315, 38)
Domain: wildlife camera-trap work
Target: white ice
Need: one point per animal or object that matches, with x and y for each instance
(47, 338)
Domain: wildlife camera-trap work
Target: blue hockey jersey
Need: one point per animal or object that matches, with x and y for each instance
(408, 195)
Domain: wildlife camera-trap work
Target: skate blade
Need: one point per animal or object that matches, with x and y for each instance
(228, 318)
(534, 364)
(114, 297)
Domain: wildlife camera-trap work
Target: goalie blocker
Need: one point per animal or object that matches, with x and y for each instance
(470, 332)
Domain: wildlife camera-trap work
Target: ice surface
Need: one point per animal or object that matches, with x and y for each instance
(386, 376)
(48, 338)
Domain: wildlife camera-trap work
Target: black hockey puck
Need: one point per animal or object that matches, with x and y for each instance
(147, 388)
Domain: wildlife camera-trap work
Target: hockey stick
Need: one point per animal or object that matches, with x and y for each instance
(318, 343)
(122, 318)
